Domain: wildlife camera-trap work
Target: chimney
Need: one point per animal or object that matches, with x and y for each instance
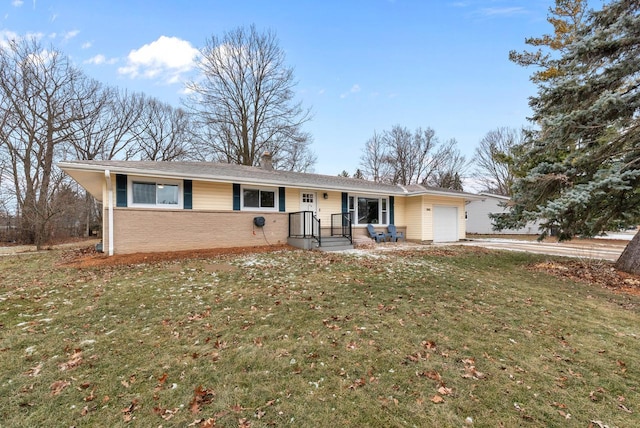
(266, 162)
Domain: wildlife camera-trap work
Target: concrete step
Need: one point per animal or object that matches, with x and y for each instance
(335, 243)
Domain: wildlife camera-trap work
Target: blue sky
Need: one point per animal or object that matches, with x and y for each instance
(361, 65)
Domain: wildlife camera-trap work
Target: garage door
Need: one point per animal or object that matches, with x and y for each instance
(445, 224)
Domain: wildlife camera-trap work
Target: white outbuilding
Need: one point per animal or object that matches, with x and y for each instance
(478, 220)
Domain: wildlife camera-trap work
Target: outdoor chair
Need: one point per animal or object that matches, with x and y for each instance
(394, 235)
(378, 236)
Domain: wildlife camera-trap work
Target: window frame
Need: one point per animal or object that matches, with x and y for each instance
(383, 208)
(158, 182)
(260, 190)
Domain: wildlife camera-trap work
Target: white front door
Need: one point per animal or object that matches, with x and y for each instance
(308, 202)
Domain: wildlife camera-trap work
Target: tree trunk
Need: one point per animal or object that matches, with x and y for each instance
(629, 260)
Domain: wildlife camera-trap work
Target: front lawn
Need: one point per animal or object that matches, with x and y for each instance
(431, 337)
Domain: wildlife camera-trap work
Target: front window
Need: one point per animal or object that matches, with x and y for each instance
(258, 199)
(369, 210)
(155, 193)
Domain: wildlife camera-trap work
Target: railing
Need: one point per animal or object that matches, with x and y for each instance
(341, 226)
(304, 224)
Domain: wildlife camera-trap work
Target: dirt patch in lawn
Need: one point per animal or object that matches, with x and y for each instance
(599, 273)
(88, 257)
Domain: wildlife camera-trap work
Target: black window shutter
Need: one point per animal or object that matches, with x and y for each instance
(121, 190)
(187, 188)
(236, 197)
(281, 198)
(391, 213)
(345, 202)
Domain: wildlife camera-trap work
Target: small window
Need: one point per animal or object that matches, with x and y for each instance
(258, 199)
(144, 193)
(150, 193)
(251, 198)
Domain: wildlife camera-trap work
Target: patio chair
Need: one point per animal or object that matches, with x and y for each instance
(394, 235)
(378, 236)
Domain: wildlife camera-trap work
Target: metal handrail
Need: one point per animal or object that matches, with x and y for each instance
(341, 225)
(304, 224)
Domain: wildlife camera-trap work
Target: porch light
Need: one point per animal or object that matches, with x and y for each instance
(325, 196)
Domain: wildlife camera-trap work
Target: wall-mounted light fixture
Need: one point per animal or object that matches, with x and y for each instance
(325, 196)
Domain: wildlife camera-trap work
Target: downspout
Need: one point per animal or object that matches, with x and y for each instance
(107, 176)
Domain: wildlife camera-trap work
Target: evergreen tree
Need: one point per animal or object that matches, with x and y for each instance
(567, 18)
(581, 168)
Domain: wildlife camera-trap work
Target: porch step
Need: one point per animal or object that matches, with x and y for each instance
(335, 243)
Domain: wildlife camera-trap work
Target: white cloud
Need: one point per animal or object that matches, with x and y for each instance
(70, 35)
(166, 58)
(6, 36)
(100, 59)
(354, 89)
(17, 3)
(34, 36)
(502, 11)
(86, 45)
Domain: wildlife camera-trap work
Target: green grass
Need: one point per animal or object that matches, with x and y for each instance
(438, 338)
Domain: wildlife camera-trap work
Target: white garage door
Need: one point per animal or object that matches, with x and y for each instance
(445, 224)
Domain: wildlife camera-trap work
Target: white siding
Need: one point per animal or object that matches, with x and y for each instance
(478, 220)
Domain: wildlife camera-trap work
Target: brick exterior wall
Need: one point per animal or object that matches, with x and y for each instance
(154, 230)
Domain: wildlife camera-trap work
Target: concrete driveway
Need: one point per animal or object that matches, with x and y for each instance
(603, 249)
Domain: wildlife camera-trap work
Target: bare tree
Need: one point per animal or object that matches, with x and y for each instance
(162, 133)
(373, 159)
(244, 99)
(295, 156)
(400, 156)
(495, 159)
(107, 130)
(450, 169)
(40, 100)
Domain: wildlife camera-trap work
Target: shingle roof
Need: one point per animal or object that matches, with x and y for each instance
(223, 172)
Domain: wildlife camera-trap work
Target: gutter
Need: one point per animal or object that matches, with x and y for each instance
(395, 190)
(107, 176)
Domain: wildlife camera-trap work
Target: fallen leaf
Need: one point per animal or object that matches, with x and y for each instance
(437, 399)
(74, 361)
(165, 414)
(625, 408)
(201, 396)
(564, 414)
(358, 383)
(429, 344)
(128, 411)
(91, 396)
(34, 371)
(444, 390)
(208, 423)
(433, 375)
(58, 386)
